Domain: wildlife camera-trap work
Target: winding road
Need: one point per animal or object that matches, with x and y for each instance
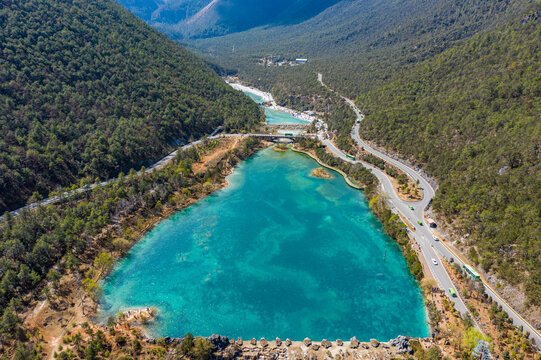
(430, 248)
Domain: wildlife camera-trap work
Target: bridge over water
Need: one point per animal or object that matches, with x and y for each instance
(273, 137)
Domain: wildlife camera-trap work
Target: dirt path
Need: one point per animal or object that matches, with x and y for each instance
(213, 157)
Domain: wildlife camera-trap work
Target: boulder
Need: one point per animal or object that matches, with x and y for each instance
(339, 342)
(307, 342)
(219, 342)
(374, 343)
(231, 353)
(264, 342)
(278, 342)
(401, 343)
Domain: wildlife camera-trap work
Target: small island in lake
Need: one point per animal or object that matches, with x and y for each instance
(321, 173)
(281, 147)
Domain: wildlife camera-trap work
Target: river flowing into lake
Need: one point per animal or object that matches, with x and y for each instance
(277, 253)
(274, 116)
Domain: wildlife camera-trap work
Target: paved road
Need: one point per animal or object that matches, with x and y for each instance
(423, 235)
(157, 165)
(160, 163)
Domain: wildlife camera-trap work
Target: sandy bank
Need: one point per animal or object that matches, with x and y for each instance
(269, 101)
(267, 97)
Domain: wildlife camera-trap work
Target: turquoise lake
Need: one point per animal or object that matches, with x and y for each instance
(275, 116)
(277, 253)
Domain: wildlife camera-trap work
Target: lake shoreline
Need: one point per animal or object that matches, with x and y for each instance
(81, 308)
(344, 175)
(269, 102)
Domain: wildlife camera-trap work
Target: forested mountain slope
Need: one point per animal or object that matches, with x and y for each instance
(88, 89)
(472, 116)
(358, 45)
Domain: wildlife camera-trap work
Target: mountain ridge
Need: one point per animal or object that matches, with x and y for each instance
(209, 18)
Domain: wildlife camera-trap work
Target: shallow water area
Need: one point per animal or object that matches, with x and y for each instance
(275, 116)
(277, 253)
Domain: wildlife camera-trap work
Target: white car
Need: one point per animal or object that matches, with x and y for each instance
(435, 238)
(434, 261)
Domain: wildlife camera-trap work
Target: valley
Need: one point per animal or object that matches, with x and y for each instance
(364, 171)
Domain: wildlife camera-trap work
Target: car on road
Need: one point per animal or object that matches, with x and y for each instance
(435, 238)
(452, 292)
(419, 222)
(411, 207)
(434, 261)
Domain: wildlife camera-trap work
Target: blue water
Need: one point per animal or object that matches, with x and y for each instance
(277, 253)
(275, 116)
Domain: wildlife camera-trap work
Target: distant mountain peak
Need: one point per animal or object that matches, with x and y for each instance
(206, 18)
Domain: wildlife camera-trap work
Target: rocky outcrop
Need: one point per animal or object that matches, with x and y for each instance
(401, 343)
(219, 342)
(235, 349)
